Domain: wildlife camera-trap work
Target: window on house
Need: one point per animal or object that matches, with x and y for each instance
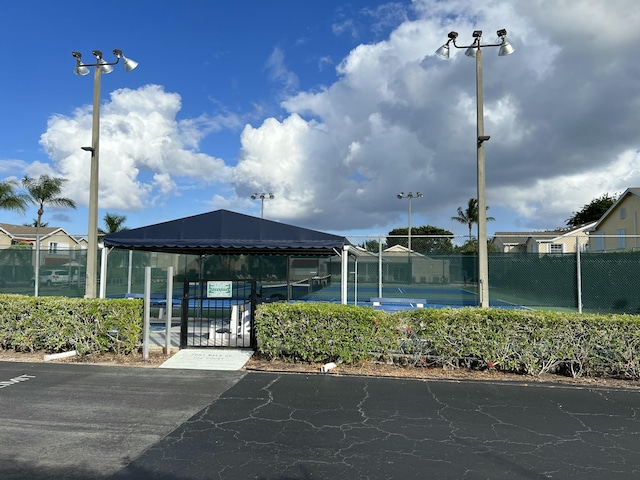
(620, 240)
(597, 242)
(555, 248)
(53, 247)
(623, 213)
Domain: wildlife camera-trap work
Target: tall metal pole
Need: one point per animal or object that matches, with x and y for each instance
(92, 247)
(261, 206)
(483, 260)
(409, 196)
(474, 50)
(83, 69)
(409, 229)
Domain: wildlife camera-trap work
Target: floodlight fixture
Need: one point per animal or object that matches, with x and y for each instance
(444, 50)
(128, 63)
(81, 68)
(472, 50)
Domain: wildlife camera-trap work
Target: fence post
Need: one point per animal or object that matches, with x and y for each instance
(578, 274)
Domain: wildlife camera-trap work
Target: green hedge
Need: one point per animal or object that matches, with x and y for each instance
(318, 332)
(59, 324)
(522, 341)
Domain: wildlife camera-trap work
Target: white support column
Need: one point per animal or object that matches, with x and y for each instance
(578, 274)
(355, 282)
(129, 271)
(379, 266)
(169, 310)
(147, 306)
(344, 280)
(103, 272)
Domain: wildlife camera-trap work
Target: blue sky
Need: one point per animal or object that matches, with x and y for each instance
(334, 107)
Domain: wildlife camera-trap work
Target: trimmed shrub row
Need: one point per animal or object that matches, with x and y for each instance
(59, 324)
(320, 332)
(519, 341)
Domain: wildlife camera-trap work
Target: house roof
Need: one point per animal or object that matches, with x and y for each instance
(28, 233)
(626, 194)
(511, 238)
(515, 238)
(225, 232)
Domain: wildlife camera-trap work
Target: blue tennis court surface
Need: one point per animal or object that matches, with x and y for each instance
(436, 297)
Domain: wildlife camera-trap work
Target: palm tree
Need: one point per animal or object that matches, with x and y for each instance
(113, 223)
(34, 223)
(44, 190)
(469, 216)
(9, 199)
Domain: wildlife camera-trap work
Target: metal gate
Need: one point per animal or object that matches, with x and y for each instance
(218, 313)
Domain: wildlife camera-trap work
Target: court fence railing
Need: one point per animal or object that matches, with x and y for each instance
(578, 273)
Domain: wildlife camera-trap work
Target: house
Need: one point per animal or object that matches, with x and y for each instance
(402, 265)
(510, 242)
(564, 240)
(618, 228)
(57, 246)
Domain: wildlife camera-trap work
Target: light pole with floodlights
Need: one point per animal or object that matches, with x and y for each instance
(410, 196)
(102, 66)
(262, 197)
(475, 50)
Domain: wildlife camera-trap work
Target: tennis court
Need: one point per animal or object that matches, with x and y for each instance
(305, 291)
(435, 296)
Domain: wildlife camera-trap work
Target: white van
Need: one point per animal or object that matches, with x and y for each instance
(53, 277)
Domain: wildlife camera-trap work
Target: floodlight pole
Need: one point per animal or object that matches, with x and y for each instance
(483, 255)
(92, 245)
(475, 50)
(262, 197)
(409, 196)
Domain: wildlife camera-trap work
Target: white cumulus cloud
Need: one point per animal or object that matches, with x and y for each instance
(145, 151)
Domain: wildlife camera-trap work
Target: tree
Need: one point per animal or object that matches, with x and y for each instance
(15, 262)
(10, 199)
(469, 216)
(113, 223)
(372, 246)
(592, 211)
(430, 239)
(34, 223)
(45, 190)
(471, 246)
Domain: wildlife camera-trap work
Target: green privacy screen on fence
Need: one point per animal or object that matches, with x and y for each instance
(601, 282)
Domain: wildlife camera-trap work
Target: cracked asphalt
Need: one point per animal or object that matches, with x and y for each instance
(103, 422)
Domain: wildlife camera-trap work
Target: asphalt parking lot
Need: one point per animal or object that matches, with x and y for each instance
(95, 422)
(66, 421)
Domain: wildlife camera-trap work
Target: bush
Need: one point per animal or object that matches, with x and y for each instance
(316, 332)
(520, 341)
(59, 324)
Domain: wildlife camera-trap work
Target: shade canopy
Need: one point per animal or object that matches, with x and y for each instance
(225, 232)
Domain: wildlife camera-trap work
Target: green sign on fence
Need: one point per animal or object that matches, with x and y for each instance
(219, 289)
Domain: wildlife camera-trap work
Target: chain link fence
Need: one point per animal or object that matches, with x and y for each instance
(542, 273)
